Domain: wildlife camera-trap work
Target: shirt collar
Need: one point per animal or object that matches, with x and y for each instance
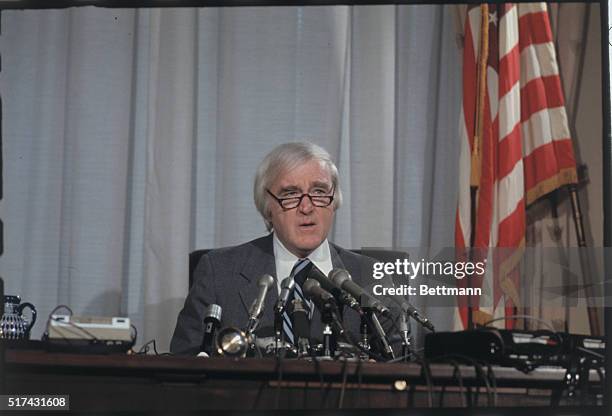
(285, 260)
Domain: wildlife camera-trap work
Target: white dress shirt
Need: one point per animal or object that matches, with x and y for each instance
(285, 260)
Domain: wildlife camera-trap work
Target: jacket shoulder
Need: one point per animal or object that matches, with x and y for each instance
(358, 265)
(352, 257)
(262, 244)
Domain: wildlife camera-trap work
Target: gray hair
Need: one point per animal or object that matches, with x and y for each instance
(285, 157)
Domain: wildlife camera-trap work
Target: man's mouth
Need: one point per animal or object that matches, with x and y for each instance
(307, 225)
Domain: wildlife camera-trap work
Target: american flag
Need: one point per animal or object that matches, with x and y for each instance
(515, 140)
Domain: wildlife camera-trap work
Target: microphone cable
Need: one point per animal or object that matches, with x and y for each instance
(426, 371)
(145, 348)
(459, 377)
(493, 380)
(359, 382)
(426, 374)
(279, 379)
(343, 385)
(321, 379)
(479, 374)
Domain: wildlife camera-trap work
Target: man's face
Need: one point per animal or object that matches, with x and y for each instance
(304, 228)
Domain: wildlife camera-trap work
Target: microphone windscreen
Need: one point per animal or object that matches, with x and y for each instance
(265, 280)
(309, 287)
(213, 311)
(339, 276)
(287, 283)
(300, 321)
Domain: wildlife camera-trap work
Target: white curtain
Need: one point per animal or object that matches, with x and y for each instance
(131, 138)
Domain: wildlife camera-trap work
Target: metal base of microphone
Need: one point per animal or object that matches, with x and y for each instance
(232, 342)
(407, 348)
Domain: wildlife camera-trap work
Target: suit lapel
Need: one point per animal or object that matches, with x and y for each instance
(335, 257)
(259, 261)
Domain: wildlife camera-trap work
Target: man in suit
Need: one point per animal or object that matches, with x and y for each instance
(297, 192)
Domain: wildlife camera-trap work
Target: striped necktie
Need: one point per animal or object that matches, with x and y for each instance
(299, 272)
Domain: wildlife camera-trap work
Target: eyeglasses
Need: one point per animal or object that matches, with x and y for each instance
(295, 201)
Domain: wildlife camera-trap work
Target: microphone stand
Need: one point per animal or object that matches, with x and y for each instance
(406, 338)
(329, 340)
(278, 332)
(332, 328)
(326, 303)
(280, 308)
(364, 343)
(301, 329)
(251, 326)
(370, 309)
(251, 338)
(377, 328)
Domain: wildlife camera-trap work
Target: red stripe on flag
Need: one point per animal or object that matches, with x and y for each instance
(510, 67)
(534, 29)
(510, 151)
(539, 94)
(546, 161)
(512, 228)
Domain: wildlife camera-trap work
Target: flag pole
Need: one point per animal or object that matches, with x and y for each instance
(585, 264)
(476, 154)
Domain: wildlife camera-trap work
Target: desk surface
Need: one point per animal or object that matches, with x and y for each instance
(222, 367)
(113, 382)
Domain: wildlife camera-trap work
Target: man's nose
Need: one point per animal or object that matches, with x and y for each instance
(306, 205)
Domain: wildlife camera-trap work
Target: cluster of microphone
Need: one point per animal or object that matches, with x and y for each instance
(328, 294)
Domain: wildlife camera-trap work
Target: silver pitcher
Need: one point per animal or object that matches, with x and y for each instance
(13, 324)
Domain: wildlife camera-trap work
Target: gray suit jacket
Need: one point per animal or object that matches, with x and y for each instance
(228, 278)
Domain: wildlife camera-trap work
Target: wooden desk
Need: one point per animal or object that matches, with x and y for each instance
(179, 384)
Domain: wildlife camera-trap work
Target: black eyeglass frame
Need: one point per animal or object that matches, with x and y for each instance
(301, 197)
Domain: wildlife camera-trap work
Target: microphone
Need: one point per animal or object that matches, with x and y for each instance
(256, 310)
(301, 327)
(286, 287)
(327, 284)
(326, 302)
(343, 279)
(416, 315)
(321, 297)
(212, 322)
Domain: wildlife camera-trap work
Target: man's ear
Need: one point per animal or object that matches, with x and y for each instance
(269, 216)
